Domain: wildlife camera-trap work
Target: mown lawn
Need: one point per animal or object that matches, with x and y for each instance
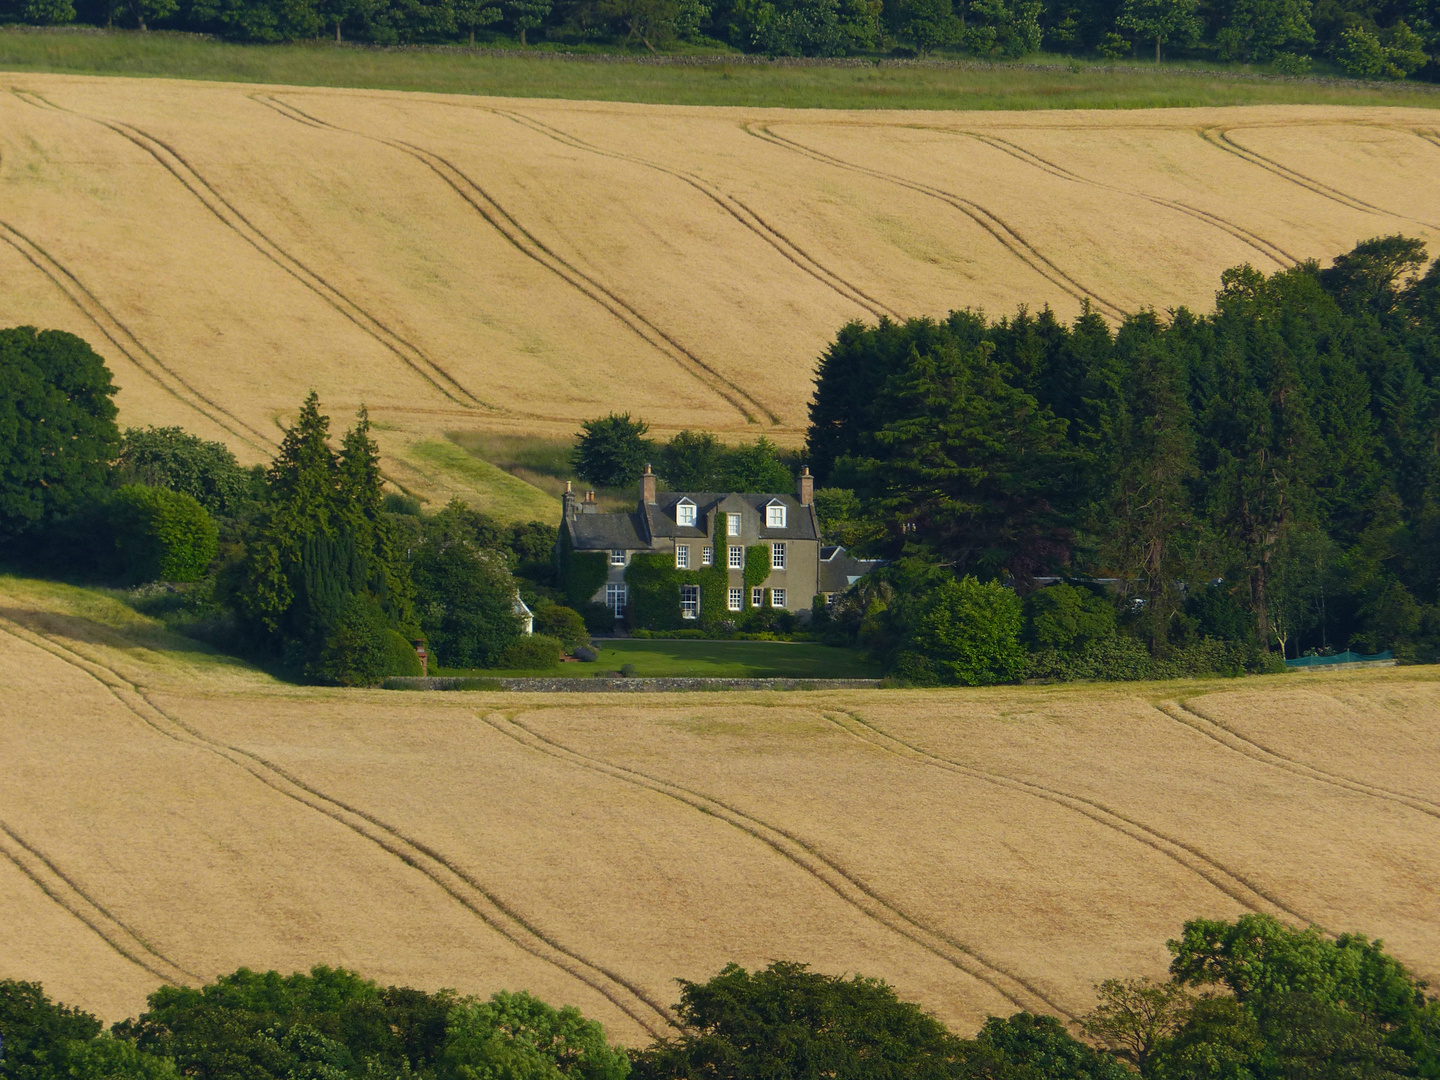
(1049, 85)
(713, 659)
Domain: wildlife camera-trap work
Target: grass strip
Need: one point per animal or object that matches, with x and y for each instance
(736, 81)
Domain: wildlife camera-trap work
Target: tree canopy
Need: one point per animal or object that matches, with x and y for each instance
(57, 427)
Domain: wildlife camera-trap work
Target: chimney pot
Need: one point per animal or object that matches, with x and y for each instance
(647, 486)
(807, 486)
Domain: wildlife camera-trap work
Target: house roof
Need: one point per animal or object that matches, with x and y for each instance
(800, 522)
(839, 569)
(605, 532)
(638, 529)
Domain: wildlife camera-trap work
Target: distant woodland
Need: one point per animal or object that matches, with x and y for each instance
(1369, 39)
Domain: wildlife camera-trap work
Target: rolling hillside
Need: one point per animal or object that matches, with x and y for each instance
(167, 815)
(483, 264)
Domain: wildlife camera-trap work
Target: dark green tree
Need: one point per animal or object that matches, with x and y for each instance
(755, 467)
(787, 1021)
(172, 458)
(465, 599)
(692, 461)
(1040, 1046)
(1160, 21)
(517, 1035)
(33, 1027)
(611, 451)
(57, 427)
(1150, 446)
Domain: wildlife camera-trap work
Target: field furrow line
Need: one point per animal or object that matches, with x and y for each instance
(1220, 137)
(525, 242)
(1265, 247)
(1228, 737)
(747, 217)
(115, 332)
(461, 886)
(408, 353)
(824, 868)
(1008, 237)
(411, 355)
(1230, 882)
(61, 889)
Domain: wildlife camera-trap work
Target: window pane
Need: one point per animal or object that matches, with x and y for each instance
(736, 598)
(777, 556)
(775, 517)
(707, 555)
(617, 557)
(685, 514)
(689, 601)
(777, 597)
(737, 557)
(682, 556)
(732, 524)
(757, 597)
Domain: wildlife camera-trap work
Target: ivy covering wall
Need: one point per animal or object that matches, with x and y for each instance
(757, 568)
(581, 573)
(655, 582)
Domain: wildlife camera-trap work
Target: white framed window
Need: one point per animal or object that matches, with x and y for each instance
(775, 516)
(777, 556)
(685, 512)
(682, 556)
(732, 524)
(617, 556)
(616, 597)
(689, 601)
(757, 597)
(777, 597)
(707, 556)
(736, 599)
(737, 557)
(829, 600)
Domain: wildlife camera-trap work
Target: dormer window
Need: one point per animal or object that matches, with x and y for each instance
(775, 515)
(685, 513)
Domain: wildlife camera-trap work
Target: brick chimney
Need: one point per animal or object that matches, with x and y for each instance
(589, 506)
(647, 486)
(807, 486)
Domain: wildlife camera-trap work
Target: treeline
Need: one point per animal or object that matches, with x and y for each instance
(1364, 38)
(1249, 1000)
(1266, 475)
(306, 564)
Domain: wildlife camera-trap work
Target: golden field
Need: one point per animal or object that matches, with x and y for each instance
(166, 814)
(465, 264)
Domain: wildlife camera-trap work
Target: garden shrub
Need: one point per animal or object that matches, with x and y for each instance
(1126, 659)
(355, 649)
(563, 623)
(964, 632)
(160, 535)
(1067, 617)
(599, 619)
(532, 652)
(400, 656)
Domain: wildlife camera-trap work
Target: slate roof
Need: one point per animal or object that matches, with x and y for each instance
(799, 521)
(839, 569)
(638, 529)
(605, 532)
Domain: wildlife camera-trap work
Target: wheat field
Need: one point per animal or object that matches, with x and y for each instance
(483, 264)
(167, 815)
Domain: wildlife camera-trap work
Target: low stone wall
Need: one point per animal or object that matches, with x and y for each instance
(623, 686)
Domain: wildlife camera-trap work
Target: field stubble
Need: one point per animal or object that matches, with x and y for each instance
(169, 815)
(492, 267)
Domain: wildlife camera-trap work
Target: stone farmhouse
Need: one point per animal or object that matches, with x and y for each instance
(706, 529)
